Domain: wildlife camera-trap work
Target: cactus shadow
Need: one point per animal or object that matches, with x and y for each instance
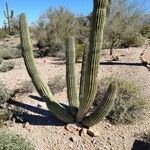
(36, 98)
(41, 100)
(140, 145)
(122, 63)
(38, 116)
(58, 63)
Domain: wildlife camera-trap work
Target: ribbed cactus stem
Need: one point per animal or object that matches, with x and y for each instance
(40, 85)
(9, 17)
(96, 39)
(104, 107)
(70, 75)
(83, 71)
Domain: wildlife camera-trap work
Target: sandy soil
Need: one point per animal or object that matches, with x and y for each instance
(47, 133)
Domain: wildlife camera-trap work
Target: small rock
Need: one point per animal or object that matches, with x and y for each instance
(83, 132)
(73, 139)
(41, 105)
(93, 132)
(107, 125)
(27, 126)
(93, 142)
(115, 58)
(70, 146)
(73, 127)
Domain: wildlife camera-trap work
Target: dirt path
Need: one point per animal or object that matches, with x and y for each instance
(45, 131)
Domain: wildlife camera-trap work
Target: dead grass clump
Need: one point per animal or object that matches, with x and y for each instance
(57, 84)
(6, 66)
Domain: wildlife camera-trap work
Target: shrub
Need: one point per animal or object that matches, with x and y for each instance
(54, 48)
(4, 116)
(41, 39)
(5, 93)
(6, 66)
(55, 26)
(127, 107)
(145, 30)
(132, 40)
(25, 87)
(3, 34)
(123, 21)
(79, 51)
(10, 141)
(57, 84)
(10, 53)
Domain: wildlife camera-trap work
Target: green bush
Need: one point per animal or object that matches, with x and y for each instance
(128, 105)
(10, 53)
(132, 40)
(4, 116)
(25, 87)
(3, 34)
(55, 26)
(10, 141)
(145, 30)
(79, 51)
(5, 93)
(57, 84)
(51, 50)
(6, 66)
(41, 39)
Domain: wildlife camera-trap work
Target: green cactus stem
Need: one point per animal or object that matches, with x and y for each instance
(96, 40)
(40, 85)
(104, 107)
(70, 75)
(9, 17)
(83, 70)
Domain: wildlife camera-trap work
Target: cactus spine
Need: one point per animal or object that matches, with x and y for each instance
(88, 80)
(9, 18)
(70, 75)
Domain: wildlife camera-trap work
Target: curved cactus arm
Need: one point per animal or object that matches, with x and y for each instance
(40, 85)
(104, 107)
(70, 75)
(83, 71)
(96, 39)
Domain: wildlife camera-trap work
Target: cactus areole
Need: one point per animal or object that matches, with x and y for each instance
(79, 104)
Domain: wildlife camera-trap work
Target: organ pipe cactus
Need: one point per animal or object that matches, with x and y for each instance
(9, 17)
(79, 105)
(70, 75)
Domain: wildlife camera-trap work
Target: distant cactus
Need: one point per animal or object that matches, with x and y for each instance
(79, 105)
(9, 17)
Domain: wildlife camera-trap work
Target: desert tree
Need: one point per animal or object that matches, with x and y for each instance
(123, 20)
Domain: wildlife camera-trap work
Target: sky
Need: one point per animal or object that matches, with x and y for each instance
(34, 8)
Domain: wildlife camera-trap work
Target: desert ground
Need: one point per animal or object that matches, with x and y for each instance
(46, 132)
